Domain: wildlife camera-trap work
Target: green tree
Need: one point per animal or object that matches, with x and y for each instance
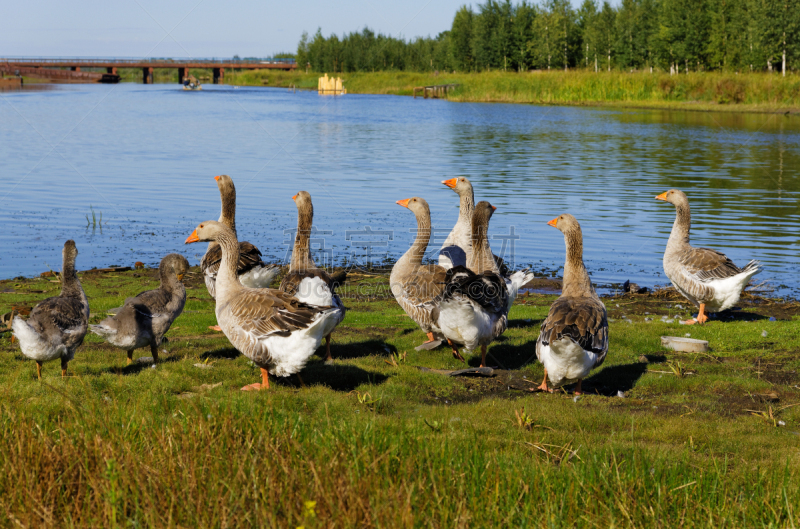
(587, 22)
(461, 40)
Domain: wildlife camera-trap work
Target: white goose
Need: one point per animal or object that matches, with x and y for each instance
(253, 272)
(473, 308)
(56, 326)
(416, 285)
(270, 327)
(574, 336)
(457, 248)
(707, 278)
(305, 281)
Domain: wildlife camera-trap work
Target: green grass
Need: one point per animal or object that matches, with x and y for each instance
(758, 92)
(374, 441)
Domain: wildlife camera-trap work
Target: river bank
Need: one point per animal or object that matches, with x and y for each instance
(400, 443)
(712, 91)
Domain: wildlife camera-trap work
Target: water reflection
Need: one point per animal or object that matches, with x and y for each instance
(146, 155)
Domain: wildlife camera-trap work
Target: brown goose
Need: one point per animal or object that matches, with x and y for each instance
(146, 318)
(473, 308)
(574, 336)
(415, 285)
(56, 326)
(705, 277)
(304, 280)
(457, 248)
(253, 272)
(270, 327)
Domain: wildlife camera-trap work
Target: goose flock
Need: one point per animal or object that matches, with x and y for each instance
(464, 300)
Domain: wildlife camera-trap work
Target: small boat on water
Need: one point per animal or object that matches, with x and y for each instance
(191, 83)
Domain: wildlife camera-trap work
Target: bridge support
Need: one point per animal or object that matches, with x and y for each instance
(147, 75)
(183, 73)
(112, 70)
(219, 75)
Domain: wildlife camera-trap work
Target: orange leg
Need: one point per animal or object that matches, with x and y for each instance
(483, 356)
(327, 348)
(263, 385)
(64, 363)
(701, 317)
(578, 390)
(300, 379)
(39, 370)
(543, 386)
(430, 338)
(130, 357)
(456, 354)
(215, 328)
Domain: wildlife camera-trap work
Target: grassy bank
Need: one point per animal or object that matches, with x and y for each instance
(375, 441)
(696, 91)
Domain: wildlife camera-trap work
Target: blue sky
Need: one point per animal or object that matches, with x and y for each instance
(202, 28)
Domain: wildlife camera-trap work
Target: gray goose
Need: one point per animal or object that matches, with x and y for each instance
(415, 285)
(457, 247)
(305, 281)
(56, 326)
(707, 278)
(146, 318)
(270, 327)
(574, 336)
(473, 308)
(253, 272)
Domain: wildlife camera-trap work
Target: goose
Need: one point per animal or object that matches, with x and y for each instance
(473, 307)
(270, 327)
(304, 280)
(144, 319)
(253, 272)
(574, 336)
(458, 246)
(56, 326)
(415, 285)
(707, 278)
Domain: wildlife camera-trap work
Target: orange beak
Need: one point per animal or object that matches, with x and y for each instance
(553, 222)
(295, 197)
(217, 177)
(494, 208)
(192, 238)
(450, 183)
(662, 196)
(403, 202)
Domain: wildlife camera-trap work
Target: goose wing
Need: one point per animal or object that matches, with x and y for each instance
(249, 257)
(582, 319)
(487, 289)
(706, 264)
(422, 286)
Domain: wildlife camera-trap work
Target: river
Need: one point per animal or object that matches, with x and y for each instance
(144, 157)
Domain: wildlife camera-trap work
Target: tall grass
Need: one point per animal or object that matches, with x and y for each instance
(704, 91)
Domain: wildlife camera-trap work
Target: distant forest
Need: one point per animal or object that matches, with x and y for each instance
(671, 35)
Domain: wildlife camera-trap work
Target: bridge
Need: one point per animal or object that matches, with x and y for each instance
(218, 66)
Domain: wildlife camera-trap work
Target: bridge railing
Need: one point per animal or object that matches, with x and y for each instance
(155, 60)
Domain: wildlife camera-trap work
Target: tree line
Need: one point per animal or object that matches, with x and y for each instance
(671, 35)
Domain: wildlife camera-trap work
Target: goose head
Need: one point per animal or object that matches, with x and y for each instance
(566, 223)
(208, 231)
(417, 205)
(460, 185)
(303, 202)
(174, 264)
(675, 197)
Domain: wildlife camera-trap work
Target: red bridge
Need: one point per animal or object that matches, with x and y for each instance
(218, 66)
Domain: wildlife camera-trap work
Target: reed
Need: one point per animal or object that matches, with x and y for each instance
(696, 91)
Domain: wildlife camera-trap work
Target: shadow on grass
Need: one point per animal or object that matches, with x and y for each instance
(612, 379)
(736, 315)
(506, 356)
(137, 367)
(338, 377)
(358, 349)
(228, 353)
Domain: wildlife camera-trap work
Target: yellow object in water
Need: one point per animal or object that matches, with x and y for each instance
(330, 85)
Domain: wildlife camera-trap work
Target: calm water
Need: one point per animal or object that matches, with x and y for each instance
(145, 157)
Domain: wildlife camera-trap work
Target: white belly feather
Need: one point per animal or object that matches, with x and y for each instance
(566, 361)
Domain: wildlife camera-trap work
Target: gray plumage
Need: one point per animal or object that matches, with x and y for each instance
(145, 319)
(56, 326)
